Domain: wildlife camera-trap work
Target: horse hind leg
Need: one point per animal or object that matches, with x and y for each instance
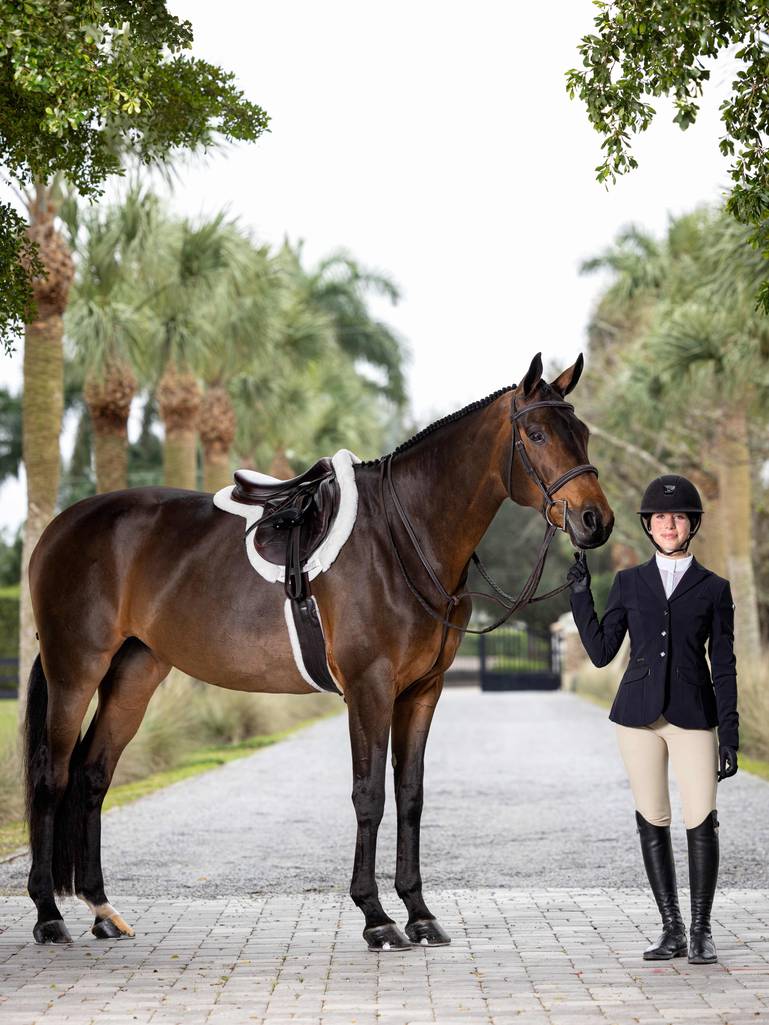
(135, 674)
(54, 715)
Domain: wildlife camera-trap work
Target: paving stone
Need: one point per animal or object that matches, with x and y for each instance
(519, 968)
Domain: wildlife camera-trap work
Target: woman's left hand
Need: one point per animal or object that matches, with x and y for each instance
(727, 762)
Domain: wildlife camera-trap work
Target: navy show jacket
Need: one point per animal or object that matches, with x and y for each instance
(667, 673)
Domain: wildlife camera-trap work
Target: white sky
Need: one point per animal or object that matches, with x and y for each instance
(436, 142)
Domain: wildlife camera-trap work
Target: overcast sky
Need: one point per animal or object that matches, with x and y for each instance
(436, 142)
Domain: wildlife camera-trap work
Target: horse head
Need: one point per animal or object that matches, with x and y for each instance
(548, 467)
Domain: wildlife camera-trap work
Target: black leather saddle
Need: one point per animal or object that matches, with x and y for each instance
(297, 517)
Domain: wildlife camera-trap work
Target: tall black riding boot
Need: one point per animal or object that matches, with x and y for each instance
(703, 873)
(657, 851)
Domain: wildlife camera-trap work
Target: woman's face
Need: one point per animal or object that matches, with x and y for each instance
(670, 530)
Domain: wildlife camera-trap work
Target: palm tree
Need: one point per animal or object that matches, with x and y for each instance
(108, 322)
(340, 287)
(43, 391)
(310, 399)
(241, 335)
(191, 263)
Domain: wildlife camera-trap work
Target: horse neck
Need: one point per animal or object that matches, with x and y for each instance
(451, 485)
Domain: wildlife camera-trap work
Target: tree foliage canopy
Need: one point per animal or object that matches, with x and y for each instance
(647, 48)
(82, 83)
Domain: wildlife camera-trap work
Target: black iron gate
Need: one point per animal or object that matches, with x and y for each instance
(519, 658)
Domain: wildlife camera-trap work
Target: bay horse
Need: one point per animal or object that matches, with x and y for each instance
(127, 584)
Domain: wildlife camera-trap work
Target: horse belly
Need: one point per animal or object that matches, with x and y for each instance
(219, 622)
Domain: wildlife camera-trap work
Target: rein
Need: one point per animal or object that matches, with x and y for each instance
(501, 598)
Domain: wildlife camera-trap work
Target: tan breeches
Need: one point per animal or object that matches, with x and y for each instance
(694, 753)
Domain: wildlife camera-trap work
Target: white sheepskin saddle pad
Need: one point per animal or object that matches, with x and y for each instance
(340, 530)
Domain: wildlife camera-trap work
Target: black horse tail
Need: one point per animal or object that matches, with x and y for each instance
(69, 821)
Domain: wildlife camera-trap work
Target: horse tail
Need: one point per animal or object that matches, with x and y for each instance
(69, 821)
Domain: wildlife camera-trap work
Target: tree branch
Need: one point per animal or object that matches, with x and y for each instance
(640, 453)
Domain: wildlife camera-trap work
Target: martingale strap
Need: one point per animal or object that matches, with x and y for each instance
(501, 598)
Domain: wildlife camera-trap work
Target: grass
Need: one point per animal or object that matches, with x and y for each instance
(13, 835)
(9, 720)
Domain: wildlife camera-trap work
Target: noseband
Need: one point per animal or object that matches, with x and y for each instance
(502, 598)
(548, 490)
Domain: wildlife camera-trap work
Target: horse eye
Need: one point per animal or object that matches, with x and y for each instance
(538, 437)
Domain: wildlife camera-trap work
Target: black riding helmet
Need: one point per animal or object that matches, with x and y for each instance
(671, 493)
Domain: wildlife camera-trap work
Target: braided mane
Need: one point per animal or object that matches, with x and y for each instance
(444, 421)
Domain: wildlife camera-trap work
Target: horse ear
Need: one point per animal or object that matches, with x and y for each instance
(533, 376)
(567, 381)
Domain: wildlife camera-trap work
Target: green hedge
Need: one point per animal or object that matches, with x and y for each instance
(9, 622)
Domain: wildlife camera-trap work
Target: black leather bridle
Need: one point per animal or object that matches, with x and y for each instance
(507, 601)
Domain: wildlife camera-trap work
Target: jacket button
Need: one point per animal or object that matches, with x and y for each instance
(664, 632)
(662, 653)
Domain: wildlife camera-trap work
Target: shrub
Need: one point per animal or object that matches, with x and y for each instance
(9, 622)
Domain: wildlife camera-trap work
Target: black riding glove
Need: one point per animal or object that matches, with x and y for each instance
(579, 575)
(727, 762)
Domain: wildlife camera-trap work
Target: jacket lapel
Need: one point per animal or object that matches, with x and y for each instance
(650, 575)
(693, 575)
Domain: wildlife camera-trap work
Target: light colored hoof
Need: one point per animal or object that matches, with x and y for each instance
(113, 928)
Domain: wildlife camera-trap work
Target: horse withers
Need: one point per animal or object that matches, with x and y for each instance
(128, 584)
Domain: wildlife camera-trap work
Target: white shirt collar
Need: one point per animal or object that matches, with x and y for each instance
(673, 565)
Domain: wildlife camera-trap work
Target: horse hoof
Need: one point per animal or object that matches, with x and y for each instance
(386, 938)
(54, 931)
(425, 932)
(112, 928)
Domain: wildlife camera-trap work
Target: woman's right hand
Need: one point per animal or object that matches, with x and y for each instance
(579, 574)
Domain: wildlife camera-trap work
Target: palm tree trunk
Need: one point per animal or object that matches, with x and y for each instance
(110, 449)
(43, 402)
(178, 397)
(710, 542)
(732, 458)
(41, 424)
(217, 432)
(109, 396)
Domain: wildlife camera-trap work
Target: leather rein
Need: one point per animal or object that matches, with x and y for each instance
(502, 598)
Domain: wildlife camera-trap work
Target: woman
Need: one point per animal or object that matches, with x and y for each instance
(667, 706)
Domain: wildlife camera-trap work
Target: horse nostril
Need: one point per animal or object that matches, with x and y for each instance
(591, 518)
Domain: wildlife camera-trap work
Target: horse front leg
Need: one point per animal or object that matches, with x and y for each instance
(370, 712)
(412, 715)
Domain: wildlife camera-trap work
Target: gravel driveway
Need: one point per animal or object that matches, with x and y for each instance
(522, 790)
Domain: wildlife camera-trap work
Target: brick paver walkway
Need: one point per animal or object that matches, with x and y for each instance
(236, 882)
(530, 957)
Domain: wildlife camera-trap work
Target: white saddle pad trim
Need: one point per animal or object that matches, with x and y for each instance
(320, 560)
(296, 647)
